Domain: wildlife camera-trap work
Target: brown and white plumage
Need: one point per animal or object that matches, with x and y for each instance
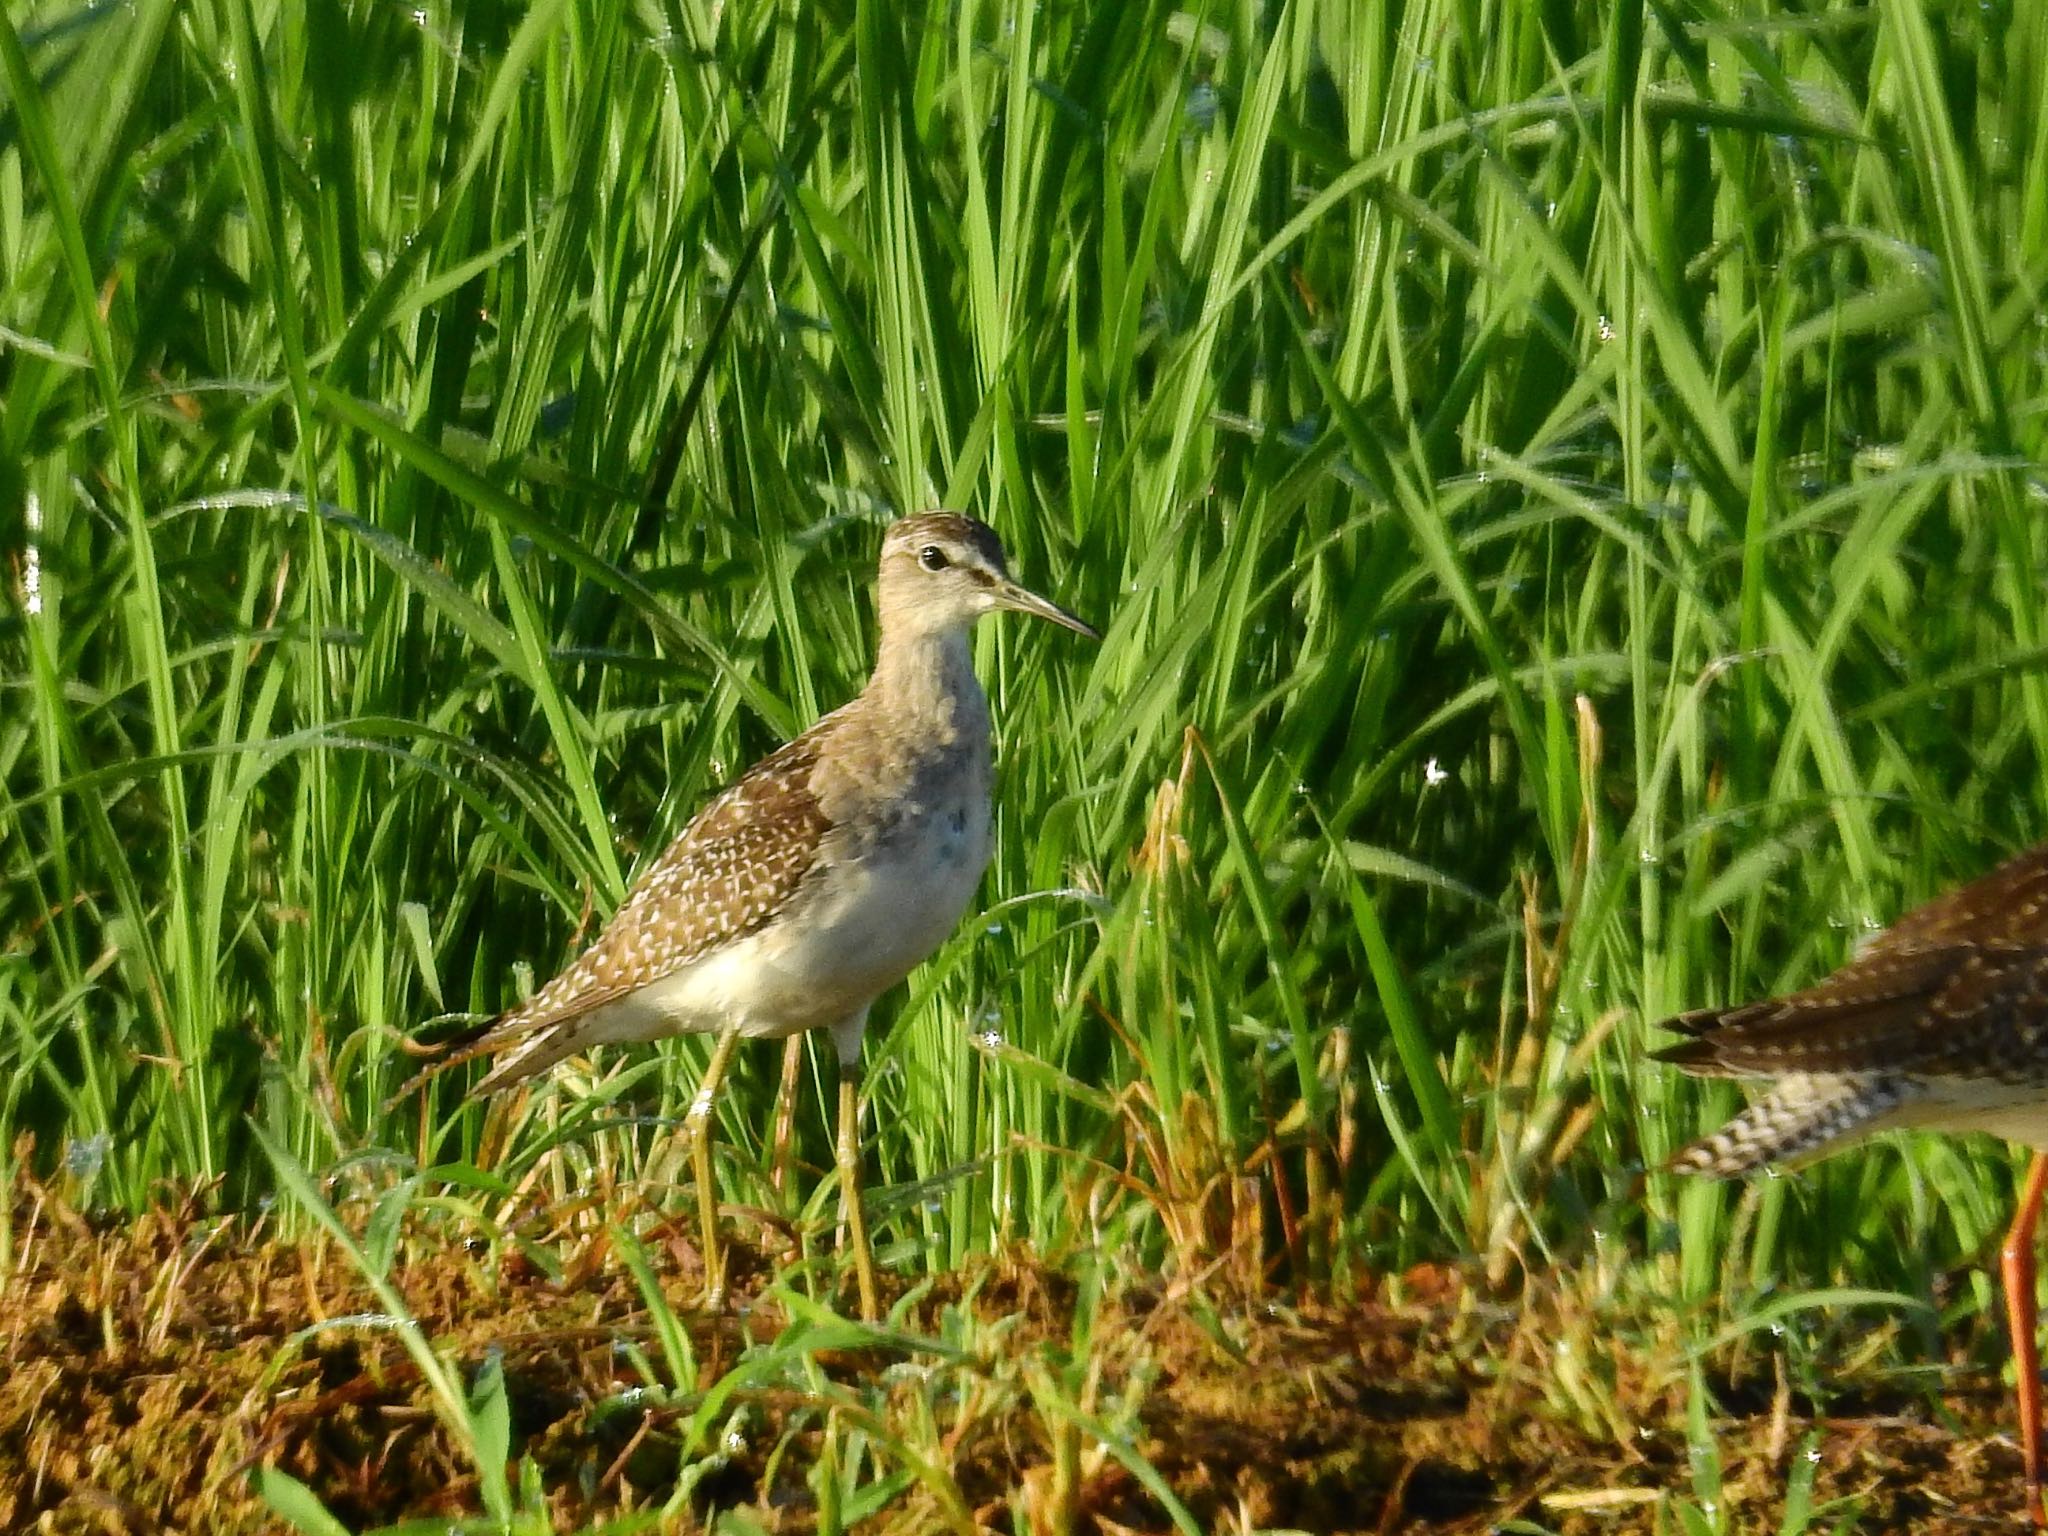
(822, 876)
(1941, 1023)
(827, 870)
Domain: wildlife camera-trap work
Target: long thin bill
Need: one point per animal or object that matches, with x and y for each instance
(1023, 600)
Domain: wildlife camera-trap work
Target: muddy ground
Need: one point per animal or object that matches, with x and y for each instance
(146, 1367)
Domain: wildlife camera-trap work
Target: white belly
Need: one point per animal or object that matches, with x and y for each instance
(2012, 1111)
(875, 920)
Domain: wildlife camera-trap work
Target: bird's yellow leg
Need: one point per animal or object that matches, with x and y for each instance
(849, 1187)
(697, 1125)
(785, 1114)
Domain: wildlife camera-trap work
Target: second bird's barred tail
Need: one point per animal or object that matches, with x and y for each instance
(1801, 1118)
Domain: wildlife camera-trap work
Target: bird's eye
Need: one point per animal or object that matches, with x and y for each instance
(932, 558)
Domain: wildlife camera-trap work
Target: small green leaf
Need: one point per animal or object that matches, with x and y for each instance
(413, 918)
(491, 1415)
(294, 1501)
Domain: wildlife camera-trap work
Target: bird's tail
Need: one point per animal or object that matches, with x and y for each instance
(1803, 1116)
(532, 1050)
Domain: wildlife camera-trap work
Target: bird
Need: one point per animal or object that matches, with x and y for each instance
(1939, 1023)
(815, 881)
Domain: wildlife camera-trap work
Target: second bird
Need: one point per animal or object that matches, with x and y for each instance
(1942, 1023)
(818, 879)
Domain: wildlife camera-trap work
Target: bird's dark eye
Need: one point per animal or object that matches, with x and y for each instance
(932, 558)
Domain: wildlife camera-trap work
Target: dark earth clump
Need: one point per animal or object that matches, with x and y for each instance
(149, 1366)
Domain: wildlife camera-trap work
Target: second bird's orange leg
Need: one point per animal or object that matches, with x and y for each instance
(2016, 1269)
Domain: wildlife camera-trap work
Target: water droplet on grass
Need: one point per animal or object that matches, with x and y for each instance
(86, 1155)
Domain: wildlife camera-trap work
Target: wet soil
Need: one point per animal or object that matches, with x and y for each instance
(148, 1367)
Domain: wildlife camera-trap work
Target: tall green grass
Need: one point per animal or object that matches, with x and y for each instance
(1560, 485)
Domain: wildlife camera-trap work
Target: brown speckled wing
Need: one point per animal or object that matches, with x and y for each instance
(2009, 905)
(736, 863)
(1958, 987)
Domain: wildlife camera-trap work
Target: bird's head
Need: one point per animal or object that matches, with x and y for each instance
(941, 571)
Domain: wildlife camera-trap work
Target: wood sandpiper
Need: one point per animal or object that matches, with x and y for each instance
(815, 881)
(1940, 1023)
